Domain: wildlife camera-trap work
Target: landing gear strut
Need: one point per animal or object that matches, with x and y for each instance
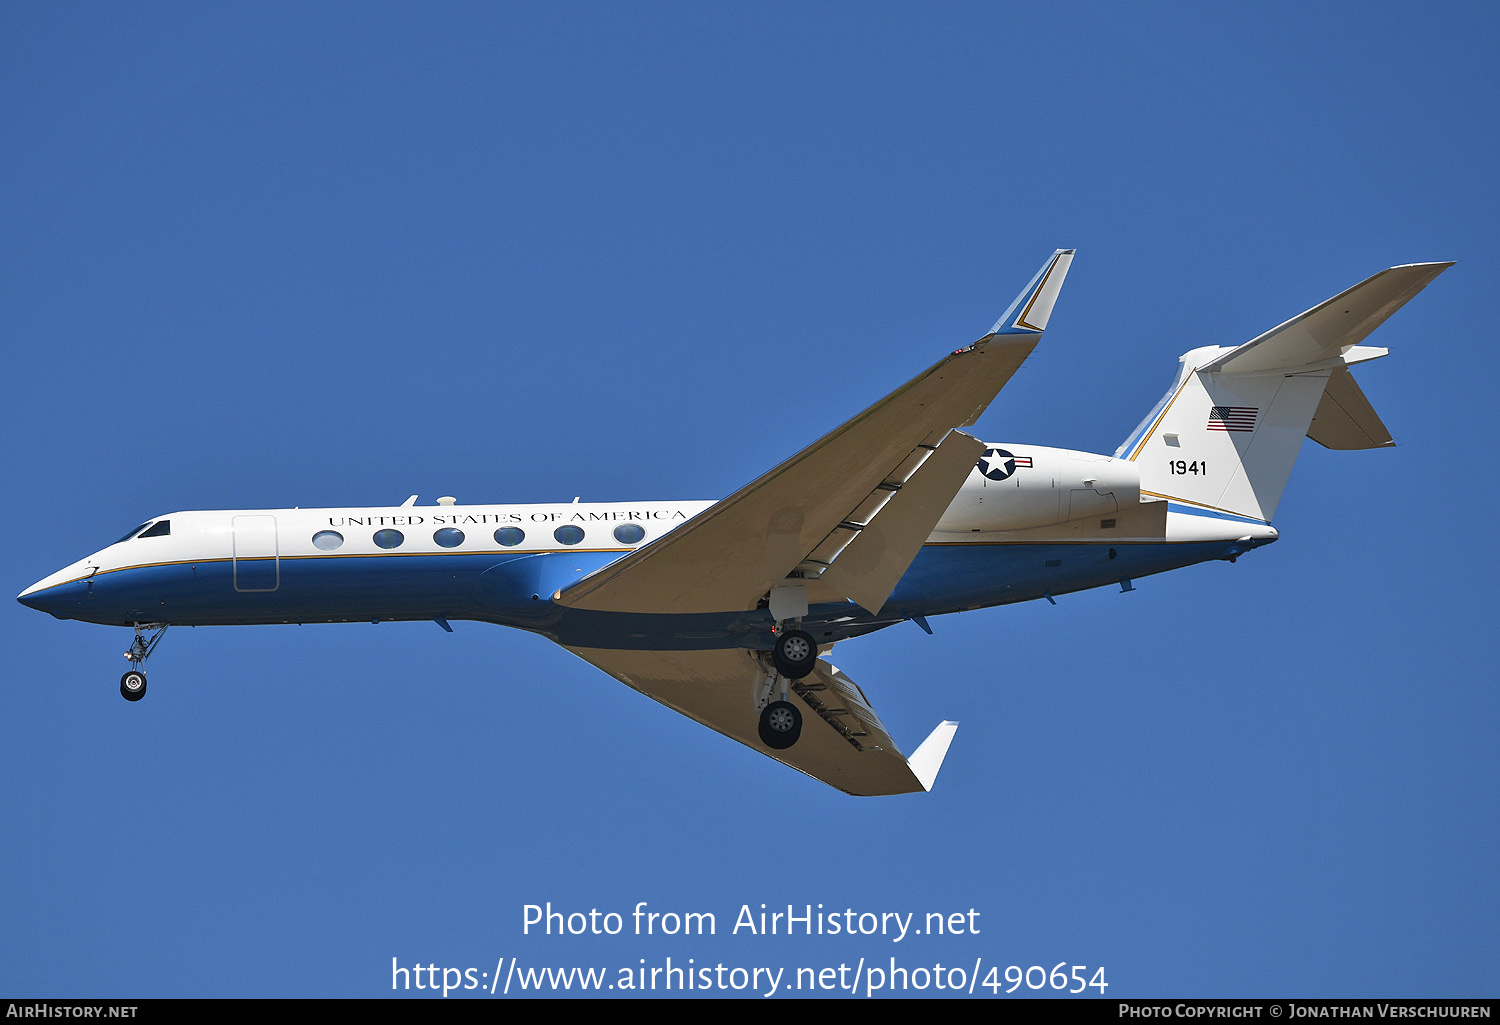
(133, 683)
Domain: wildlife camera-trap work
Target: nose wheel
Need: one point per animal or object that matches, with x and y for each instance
(133, 685)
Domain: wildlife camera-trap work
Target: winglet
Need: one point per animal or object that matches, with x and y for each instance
(1028, 315)
(927, 759)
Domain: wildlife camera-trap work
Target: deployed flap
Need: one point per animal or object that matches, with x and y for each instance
(1345, 419)
(843, 742)
(1324, 331)
(868, 570)
(730, 556)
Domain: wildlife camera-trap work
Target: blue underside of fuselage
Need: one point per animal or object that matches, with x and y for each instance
(515, 590)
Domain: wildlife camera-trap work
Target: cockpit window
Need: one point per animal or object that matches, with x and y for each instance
(132, 532)
(161, 528)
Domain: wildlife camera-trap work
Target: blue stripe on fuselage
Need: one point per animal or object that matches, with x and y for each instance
(1212, 514)
(515, 589)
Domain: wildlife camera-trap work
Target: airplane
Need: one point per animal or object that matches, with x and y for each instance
(723, 610)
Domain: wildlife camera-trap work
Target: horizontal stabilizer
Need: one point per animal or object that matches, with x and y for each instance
(1345, 420)
(1326, 330)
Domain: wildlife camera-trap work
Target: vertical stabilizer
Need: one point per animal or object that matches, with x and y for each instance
(1225, 436)
(1227, 442)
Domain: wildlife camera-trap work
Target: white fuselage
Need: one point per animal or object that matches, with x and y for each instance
(1029, 522)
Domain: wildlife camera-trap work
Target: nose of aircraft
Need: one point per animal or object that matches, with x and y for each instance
(53, 593)
(36, 597)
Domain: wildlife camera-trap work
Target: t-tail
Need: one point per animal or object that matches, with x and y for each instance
(1227, 432)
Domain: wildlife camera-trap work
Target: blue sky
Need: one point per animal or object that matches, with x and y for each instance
(283, 256)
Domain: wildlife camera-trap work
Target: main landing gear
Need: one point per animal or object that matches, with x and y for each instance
(133, 683)
(780, 725)
(794, 654)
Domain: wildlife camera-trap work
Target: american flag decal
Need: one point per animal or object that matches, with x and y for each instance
(1232, 418)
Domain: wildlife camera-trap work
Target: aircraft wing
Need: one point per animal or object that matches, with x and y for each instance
(843, 742)
(803, 517)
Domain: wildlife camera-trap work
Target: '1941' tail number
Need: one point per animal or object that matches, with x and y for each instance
(1177, 466)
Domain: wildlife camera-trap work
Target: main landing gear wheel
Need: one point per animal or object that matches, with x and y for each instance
(133, 685)
(795, 654)
(780, 725)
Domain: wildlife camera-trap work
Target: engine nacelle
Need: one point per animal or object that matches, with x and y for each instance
(1014, 487)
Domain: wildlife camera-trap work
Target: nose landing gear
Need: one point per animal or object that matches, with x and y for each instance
(133, 683)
